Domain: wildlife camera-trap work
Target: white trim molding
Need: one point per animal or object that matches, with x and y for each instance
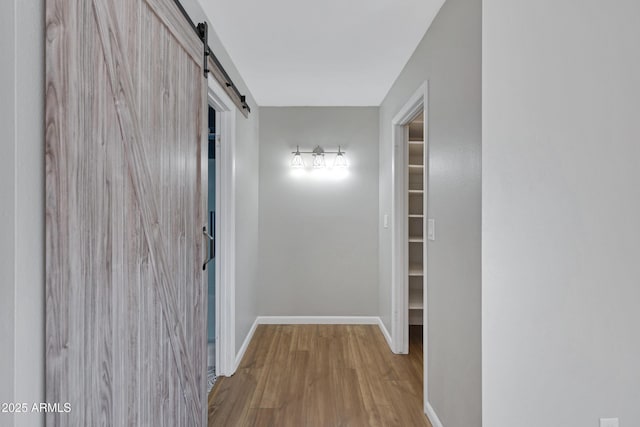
(245, 345)
(225, 223)
(385, 333)
(399, 236)
(318, 320)
(306, 320)
(431, 414)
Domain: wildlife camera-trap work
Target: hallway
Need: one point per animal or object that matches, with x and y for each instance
(322, 375)
(470, 166)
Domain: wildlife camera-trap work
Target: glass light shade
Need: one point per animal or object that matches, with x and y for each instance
(318, 161)
(341, 161)
(296, 161)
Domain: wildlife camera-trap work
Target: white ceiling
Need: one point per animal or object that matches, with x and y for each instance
(321, 52)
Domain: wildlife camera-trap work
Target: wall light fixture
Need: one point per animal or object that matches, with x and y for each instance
(318, 158)
(318, 153)
(340, 162)
(296, 161)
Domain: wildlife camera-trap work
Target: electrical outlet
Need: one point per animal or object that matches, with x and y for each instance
(385, 220)
(609, 422)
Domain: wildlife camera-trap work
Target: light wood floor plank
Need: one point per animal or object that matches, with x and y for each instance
(322, 376)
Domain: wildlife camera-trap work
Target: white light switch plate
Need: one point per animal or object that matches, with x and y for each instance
(385, 220)
(431, 229)
(609, 422)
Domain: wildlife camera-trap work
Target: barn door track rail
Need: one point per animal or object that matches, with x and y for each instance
(218, 71)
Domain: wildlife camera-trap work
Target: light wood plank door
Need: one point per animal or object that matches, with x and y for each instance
(125, 205)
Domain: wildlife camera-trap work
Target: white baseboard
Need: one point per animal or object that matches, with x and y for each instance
(318, 320)
(245, 344)
(385, 333)
(431, 414)
(309, 320)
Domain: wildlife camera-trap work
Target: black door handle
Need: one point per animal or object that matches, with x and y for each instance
(211, 238)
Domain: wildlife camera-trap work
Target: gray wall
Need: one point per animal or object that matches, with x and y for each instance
(561, 202)
(247, 150)
(22, 203)
(22, 211)
(449, 57)
(7, 206)
(318, 237)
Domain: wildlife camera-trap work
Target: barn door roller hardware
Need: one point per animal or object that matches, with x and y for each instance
(203, 32)
(219, 73)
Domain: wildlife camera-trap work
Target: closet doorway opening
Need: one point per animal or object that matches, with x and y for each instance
(219, 232)
(416, 224)
(211, 234)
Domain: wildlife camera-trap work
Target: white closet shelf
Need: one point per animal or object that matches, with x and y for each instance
(416, 166)
(416, 300)
(416, 216)
(416, 270)
(416, 141)
(416, 191)
(416, 239)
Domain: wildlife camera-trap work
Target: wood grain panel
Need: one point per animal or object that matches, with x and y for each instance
(324, 376)
(125, 205)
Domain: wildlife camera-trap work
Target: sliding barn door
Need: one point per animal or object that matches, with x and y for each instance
(125, 206)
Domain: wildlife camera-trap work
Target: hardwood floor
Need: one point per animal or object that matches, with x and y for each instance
(324, 376)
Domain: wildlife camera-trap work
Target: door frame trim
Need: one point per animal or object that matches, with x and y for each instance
(399, 238)
(225, 261)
